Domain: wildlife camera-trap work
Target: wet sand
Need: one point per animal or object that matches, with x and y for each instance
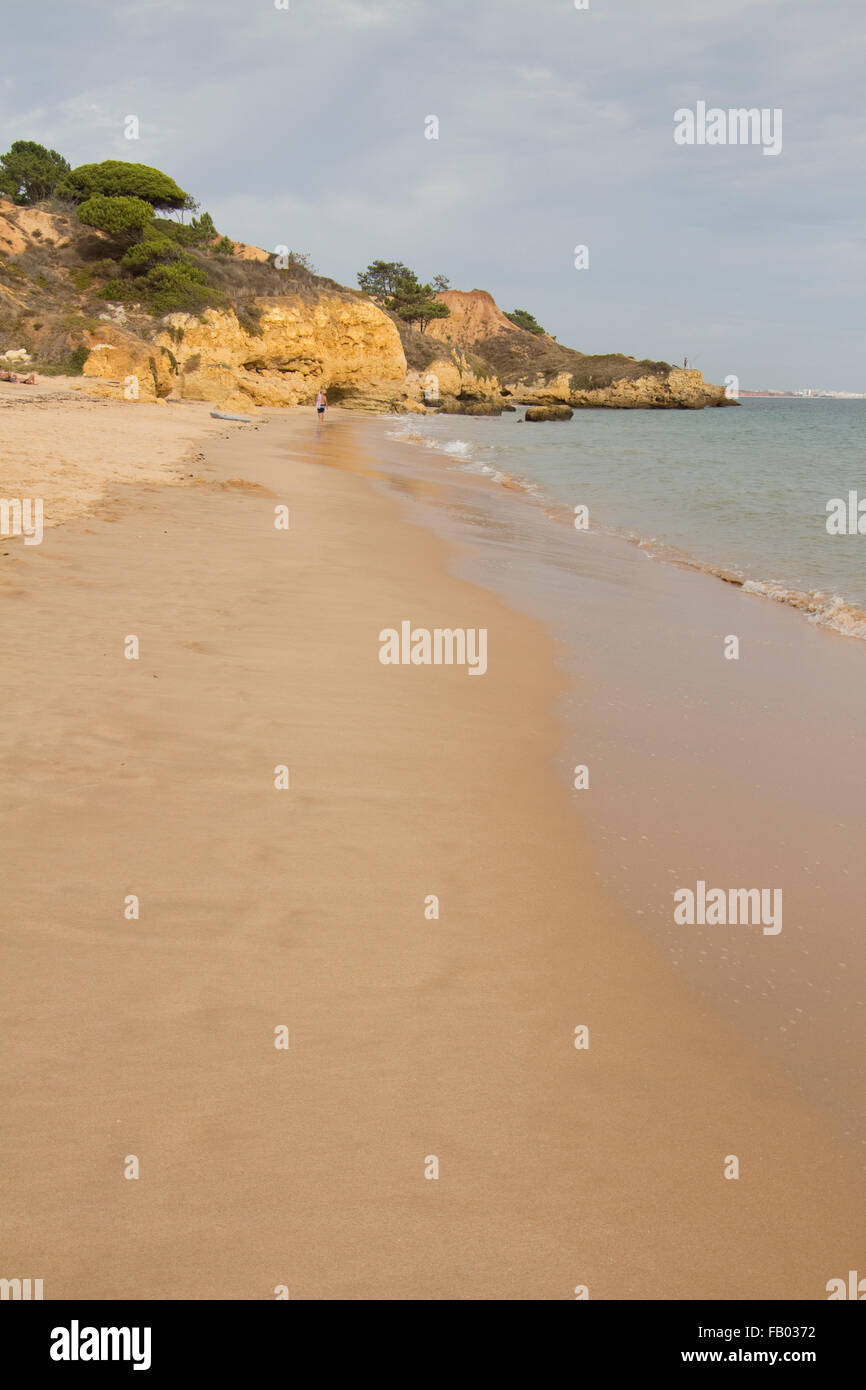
(739, 773)
(409, 1038)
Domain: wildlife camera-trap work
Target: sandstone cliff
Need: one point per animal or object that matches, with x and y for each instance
(475, 318)
(343, 343)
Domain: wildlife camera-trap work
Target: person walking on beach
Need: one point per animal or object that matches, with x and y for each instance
(321, 404)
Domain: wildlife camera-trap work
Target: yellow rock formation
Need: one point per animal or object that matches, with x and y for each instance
(345, 344)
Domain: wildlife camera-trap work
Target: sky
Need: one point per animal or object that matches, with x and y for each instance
(305, 127)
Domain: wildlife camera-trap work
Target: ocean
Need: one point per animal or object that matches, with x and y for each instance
(741, 492)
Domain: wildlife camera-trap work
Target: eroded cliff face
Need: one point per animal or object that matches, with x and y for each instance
(475, 317)
(342, 343)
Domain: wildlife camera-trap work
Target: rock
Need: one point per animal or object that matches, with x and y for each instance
(452, 405)
(681, 389)
(452, 385)
(114, 314)
(333, 340)
(549, 412)
(678, 389)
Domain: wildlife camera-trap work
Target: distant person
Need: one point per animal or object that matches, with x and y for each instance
(685, 362)
(321, 405)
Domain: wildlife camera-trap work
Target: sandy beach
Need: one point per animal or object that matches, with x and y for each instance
(410, 1037)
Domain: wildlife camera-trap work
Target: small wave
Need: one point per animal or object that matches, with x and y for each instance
(453, 448)
(407, 435)
(825, 610)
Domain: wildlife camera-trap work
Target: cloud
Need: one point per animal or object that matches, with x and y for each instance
(305, 127)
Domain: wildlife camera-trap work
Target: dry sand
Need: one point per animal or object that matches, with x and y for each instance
(69, 449)
(408, 1037)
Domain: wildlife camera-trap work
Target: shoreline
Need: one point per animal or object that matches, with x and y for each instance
(831, 611)
(410, 1037)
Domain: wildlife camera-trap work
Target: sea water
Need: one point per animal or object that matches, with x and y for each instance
(741, 491)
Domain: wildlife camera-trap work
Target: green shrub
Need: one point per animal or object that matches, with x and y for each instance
(249, 316)
(225, 246)
(204, 227)
(121, 218)
(197, 233)
(146, 254)
(523, 319)
(77, 359)
(180, 289)
(123, 291)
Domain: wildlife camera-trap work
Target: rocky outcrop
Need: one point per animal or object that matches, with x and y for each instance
(343, 343)
(452, 384)
(549, 412)
(680, 389)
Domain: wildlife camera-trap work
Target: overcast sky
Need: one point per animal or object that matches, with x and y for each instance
(306, 127)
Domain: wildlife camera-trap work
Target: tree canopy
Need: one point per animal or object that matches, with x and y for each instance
(30, 172)
(400, 290)
(115, 179)
(381, 278)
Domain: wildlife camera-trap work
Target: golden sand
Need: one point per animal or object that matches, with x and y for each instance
(411, 1037)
